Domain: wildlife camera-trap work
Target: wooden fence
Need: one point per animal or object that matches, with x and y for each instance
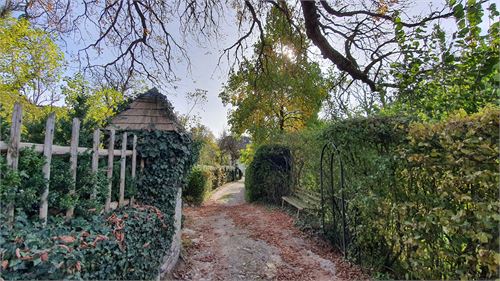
(14, 144)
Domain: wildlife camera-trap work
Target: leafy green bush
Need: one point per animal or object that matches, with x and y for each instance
(218, 176)
(424, 196)
(23, 187)
(87, 182)
(305, 146)
(199, 185)
(447, 199)
(269, 176)
(204, 179)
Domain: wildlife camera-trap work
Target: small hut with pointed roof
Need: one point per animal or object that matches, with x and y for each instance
(150, 111)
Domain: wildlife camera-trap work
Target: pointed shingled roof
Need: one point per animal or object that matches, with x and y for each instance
(150, 111)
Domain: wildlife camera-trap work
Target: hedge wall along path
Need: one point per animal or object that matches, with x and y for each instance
(425, 195)
(269, 176)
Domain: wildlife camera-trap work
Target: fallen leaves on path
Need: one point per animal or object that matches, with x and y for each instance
(302, 257)
(277, 228)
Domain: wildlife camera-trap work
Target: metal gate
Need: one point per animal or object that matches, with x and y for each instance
(334, 219)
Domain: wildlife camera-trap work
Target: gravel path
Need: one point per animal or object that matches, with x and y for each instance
(228, 239)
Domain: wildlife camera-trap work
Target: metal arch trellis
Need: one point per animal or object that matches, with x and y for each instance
(333, 218)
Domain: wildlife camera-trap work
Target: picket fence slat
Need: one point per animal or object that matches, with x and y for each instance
(134, 163)
(95, 150)
(47, 153)
(73, 161)
(95, 157)
(13, 151)
(111, 149)
(123, 162)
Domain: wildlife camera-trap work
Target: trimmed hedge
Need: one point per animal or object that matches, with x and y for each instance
(199, 185)
(204, 179)
(422, 197)
(269, 176)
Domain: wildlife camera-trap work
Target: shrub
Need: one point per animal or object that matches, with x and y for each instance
(199, 185)
(269, 176)
(204, 179)
(447, 198)
(24, 186)
(218, 176)
(424, 196)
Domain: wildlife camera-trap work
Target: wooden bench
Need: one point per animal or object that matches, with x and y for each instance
(303, 199)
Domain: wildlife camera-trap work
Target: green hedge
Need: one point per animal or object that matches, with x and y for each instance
(199, 185)
(422, 197)
(204, 179)
(269, 176)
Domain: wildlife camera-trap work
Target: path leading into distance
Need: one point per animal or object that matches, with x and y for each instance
(228, 239)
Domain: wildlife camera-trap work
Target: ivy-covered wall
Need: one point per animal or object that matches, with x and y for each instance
(168, 158)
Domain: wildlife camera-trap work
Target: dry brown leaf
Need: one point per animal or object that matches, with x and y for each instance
(67, 239)
(64, 247)
(44, 256)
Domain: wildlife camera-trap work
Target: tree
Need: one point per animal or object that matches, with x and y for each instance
(285, 95)
(138, 33)
(93, 105)
(30, 62)
(191, 119)
(448, 75)
(209, 151)
(231, 145)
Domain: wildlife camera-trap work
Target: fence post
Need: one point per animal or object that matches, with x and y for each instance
(111, 149)
(123, 162)
(134, 164)
(73, 161)
(13, 151)
(95, 157)
(47, 154)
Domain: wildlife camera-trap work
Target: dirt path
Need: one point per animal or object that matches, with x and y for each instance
(228, 239)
